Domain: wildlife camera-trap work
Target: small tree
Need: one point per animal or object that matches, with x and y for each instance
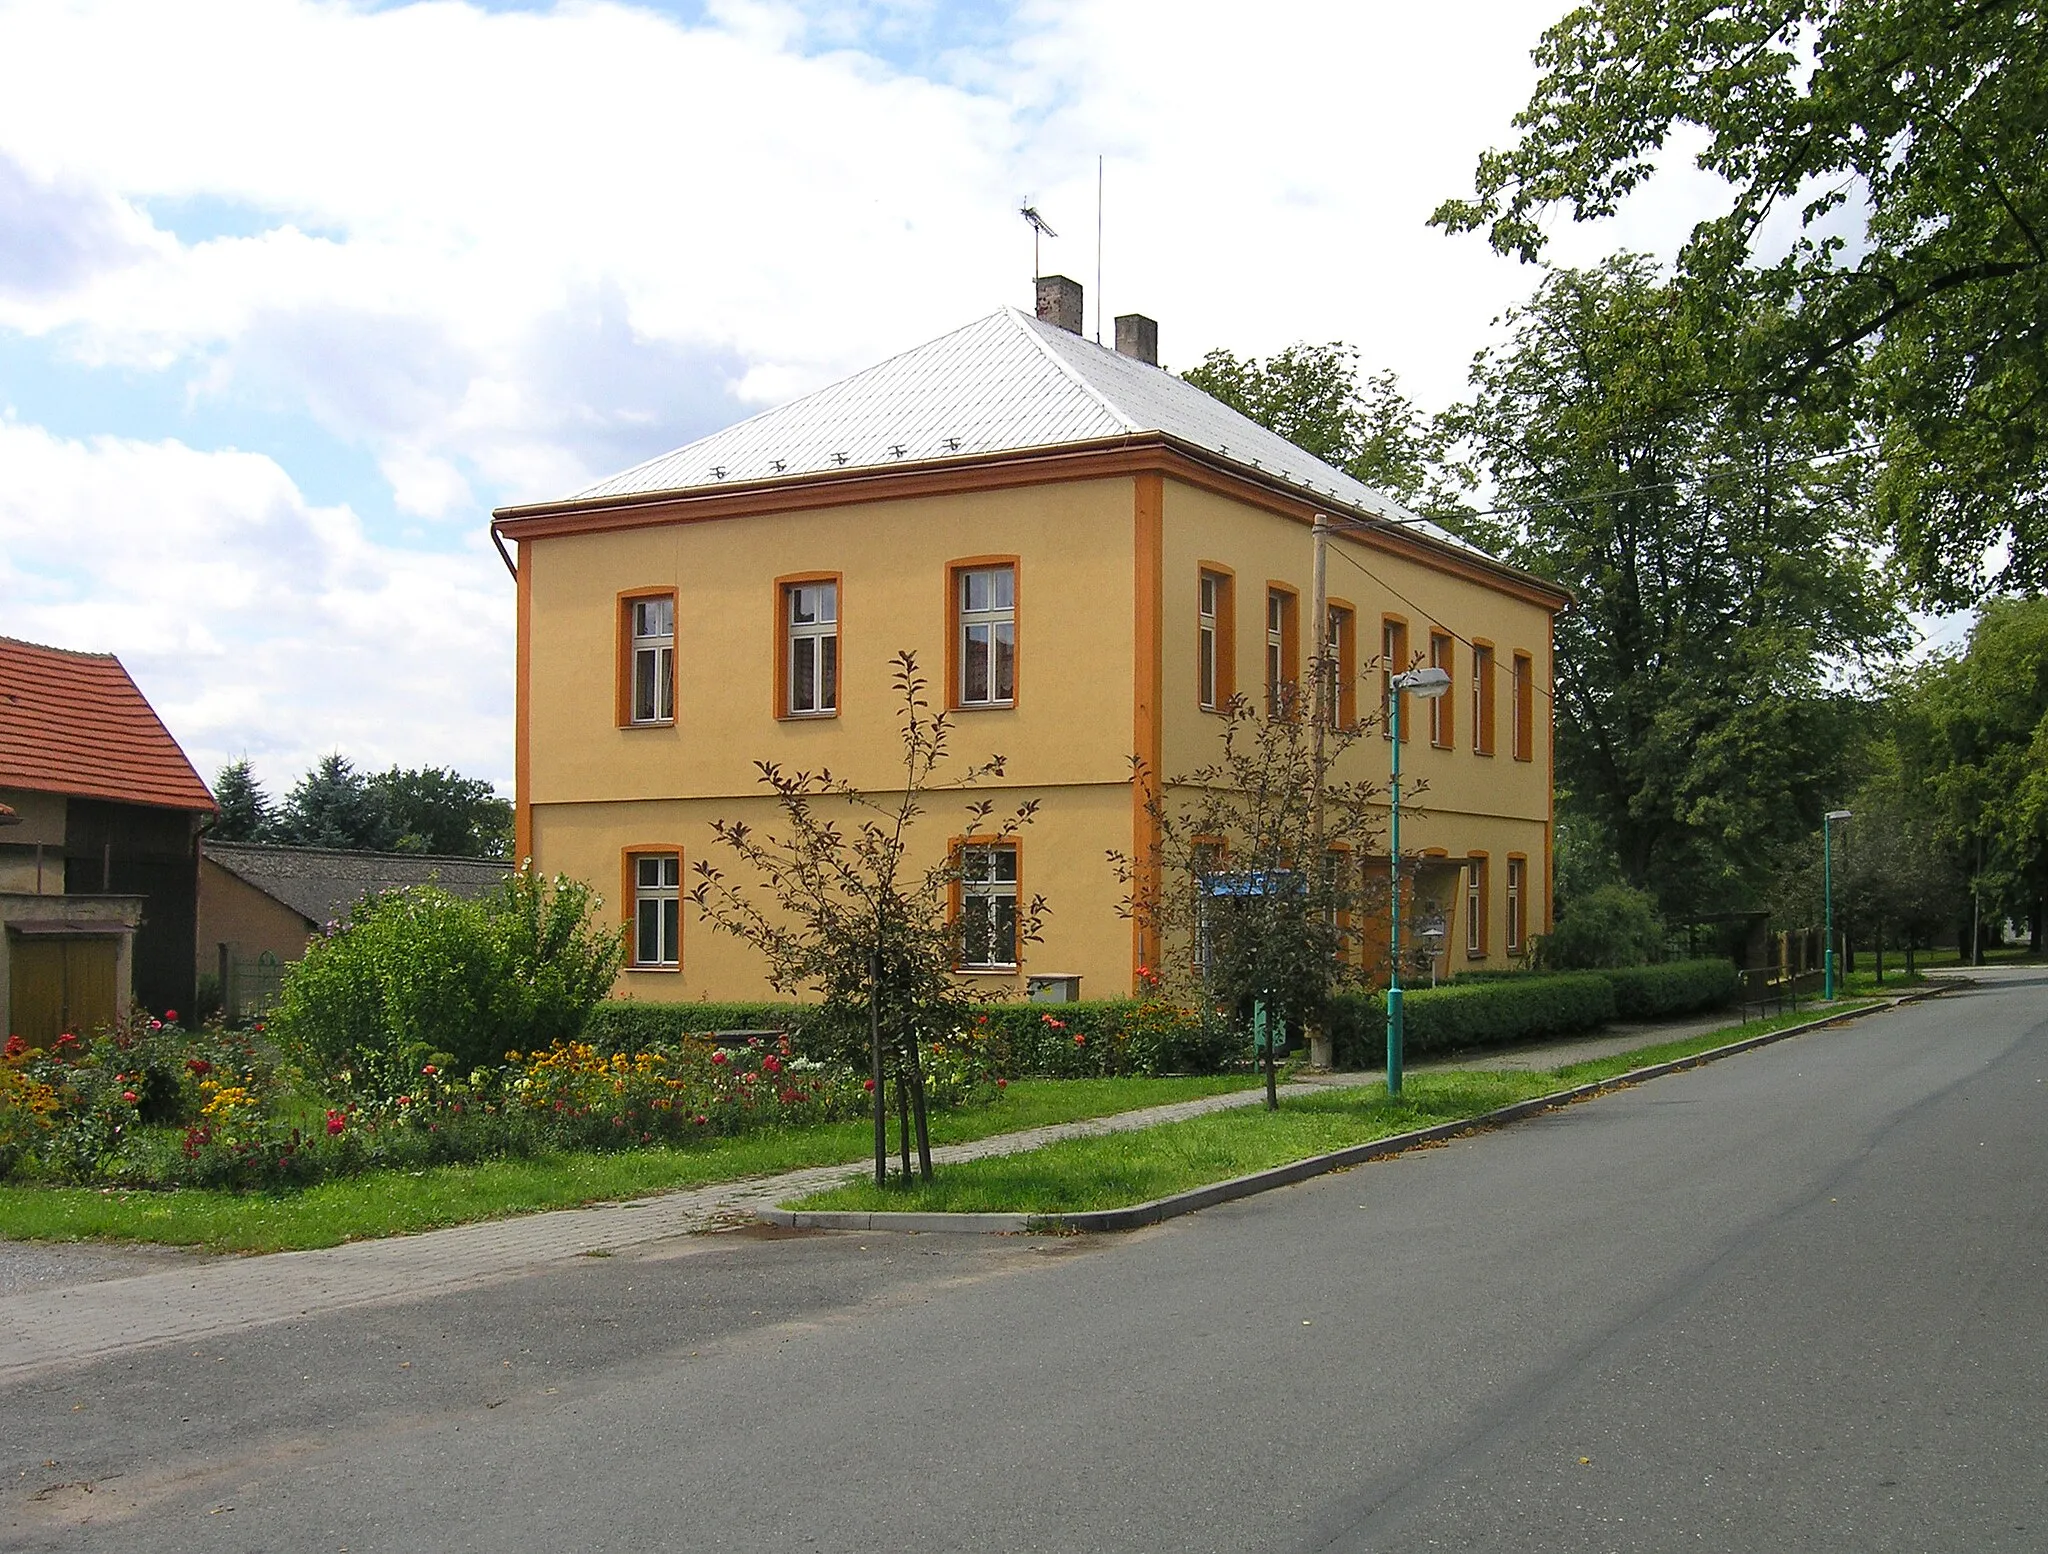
(840, 907)
(1255, 889)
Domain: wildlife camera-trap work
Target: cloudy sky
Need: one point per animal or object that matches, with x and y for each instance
(293, 292)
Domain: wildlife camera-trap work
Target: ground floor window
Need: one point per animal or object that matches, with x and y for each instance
(657, 909)
(988, 905)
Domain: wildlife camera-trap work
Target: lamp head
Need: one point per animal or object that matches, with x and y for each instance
(1428, 682)
(1838, 814)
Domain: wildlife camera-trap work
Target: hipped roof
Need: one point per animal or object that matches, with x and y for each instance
(74, 723)
(1005, 383)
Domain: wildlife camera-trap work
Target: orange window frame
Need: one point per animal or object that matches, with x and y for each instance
(1290, 646)
(1226, 633)
(629, 896)
(1482, 697)
(1344, 626)
(1478, 906)
(1443, 710)
(955, 898)
(779, 692)
(974, 564)
(1522, 737)
(623, 668)
(1394, 656)
(1517, 901)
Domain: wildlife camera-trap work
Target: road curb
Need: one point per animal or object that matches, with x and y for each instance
(1138, 1215)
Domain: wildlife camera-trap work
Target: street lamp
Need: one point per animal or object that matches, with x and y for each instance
(1428, 683)
(1827, 887)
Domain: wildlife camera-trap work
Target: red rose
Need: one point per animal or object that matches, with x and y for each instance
(1002, 1084)
(1080, 1040)
(16, 1046)
(771, 1065)
(170, 1016)
(128, 1096)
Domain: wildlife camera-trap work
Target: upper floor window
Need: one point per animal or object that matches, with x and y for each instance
(1394, 660)
(985, 625)
(810, 617)
(1340, 668)
(657, 909)
(651, 655)
(1281, 643)
(1524, 711)
(1215, 633)
(1482, 699)
(988, 905)
(1442, 709)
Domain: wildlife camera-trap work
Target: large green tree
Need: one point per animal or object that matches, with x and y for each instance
(1315, 397)
(1884, 207)
(245, 810)
(1721, 563)
(1972, 733)
(433, 809)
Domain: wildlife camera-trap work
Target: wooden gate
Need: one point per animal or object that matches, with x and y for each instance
(60, 983)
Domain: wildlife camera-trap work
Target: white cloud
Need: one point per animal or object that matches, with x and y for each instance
(255, 621)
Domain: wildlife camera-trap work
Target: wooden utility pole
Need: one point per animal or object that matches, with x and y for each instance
(1319, 616)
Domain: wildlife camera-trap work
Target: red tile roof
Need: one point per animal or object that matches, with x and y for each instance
(75, 723)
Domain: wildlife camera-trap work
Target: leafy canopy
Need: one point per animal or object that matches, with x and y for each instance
(1902, 139)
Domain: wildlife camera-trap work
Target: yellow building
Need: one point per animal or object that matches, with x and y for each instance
(1088, 555)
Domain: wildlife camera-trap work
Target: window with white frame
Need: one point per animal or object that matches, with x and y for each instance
(986, 607)
(1516, 869)
(1210, 607)
(1475, 905)
(1279, 677)
(988, 905)
(657, 909)
(811, 618)
(653, 628)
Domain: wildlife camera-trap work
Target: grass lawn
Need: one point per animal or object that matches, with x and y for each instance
(1122, 1169)
(389, 1203)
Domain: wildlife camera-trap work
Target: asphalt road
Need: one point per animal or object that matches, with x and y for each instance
(1795, 1300)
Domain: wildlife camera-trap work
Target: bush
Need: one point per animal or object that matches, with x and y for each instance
(1677, 987)
(1476, 1014)
(419, 974)
(629, 1026)
(1611, 926)
(1116, 1036)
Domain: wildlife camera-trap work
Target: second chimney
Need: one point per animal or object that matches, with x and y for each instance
(1059, 302)
(1138, 337)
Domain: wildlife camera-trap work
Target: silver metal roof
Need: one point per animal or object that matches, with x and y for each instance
(1005, 383)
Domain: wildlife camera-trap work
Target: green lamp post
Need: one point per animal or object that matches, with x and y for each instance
(1827, 877)
(1428, 683)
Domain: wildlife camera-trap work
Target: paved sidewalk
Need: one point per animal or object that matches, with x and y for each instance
(41, 1329)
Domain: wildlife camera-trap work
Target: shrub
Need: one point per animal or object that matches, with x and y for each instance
(420, 973)
(630, 1026)
(1611, 926)
(1476, 1014)
(1117, 1036)
(1677, 987)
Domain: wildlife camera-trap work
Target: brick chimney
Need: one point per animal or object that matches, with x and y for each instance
(1059, 302)
(1138, 336)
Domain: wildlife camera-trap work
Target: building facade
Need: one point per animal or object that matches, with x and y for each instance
(1087, 557)
(99, 867)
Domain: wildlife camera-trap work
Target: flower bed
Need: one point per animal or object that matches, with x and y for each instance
(153, 1105)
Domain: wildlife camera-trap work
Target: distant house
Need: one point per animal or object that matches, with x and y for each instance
(99, 865)
(259, 905)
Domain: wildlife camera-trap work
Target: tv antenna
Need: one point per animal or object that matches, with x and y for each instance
(1039, 227)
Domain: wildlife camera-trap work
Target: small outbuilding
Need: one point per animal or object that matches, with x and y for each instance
(260, 905)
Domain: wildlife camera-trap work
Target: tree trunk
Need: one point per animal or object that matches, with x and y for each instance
(917, 1112)
(903, 1116)
(875, 1037)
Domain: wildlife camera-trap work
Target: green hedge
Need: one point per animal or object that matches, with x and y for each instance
(1676, 987)
(1474, 1014)
(627, 1025)
(1117, 1035)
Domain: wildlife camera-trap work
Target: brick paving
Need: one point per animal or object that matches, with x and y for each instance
(46, 1328)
